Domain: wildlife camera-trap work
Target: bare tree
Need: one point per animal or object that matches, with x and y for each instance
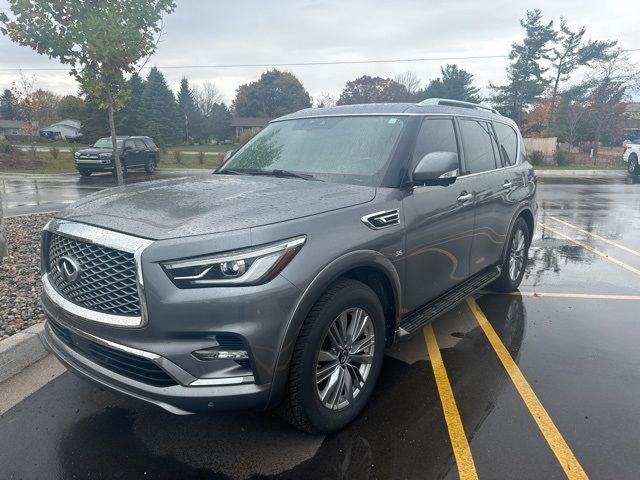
(325, 100)
(206, 96)
(613, 80)
(410, 81)
(23, 90)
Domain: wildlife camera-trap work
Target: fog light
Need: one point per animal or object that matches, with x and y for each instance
(215, 354)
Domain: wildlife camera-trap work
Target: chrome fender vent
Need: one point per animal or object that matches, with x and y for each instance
(378, 220)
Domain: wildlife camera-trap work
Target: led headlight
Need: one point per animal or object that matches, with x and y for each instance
(241, 267)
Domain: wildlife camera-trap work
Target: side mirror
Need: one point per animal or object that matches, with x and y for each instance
(436, 168)
(127, 148)
(228, 155)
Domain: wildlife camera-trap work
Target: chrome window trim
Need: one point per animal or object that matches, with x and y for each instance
(180, 375)
(109, 239)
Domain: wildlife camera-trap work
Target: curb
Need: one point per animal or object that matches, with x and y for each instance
(21, 350)
(560, 173)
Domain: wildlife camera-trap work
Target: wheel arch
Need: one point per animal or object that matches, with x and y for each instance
(367, 266)
(526, 213)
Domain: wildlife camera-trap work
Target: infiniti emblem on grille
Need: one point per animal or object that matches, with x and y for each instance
(68, 267)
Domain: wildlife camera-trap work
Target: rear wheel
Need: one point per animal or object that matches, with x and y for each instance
(632, 165)
(515, 259)
(336, 360)
(84, 172)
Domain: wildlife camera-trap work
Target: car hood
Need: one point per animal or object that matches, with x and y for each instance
(94, 151)
(211, 204)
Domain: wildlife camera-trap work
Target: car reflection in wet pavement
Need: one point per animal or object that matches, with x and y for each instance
(572, 331)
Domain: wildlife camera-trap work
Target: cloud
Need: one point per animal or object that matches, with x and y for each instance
(226, 32)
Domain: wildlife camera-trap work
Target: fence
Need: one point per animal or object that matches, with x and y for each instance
(545, 145)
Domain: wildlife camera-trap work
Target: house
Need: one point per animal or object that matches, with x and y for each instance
(67, 129)
(12, 127)
(248, 124)
(631, 121)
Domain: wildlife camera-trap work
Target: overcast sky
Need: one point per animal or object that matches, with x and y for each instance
(207, 32)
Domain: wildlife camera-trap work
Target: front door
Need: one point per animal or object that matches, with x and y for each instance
(438, 223)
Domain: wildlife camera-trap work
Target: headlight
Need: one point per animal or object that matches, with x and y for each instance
(104, 155)
(76, 155)
(241, 267)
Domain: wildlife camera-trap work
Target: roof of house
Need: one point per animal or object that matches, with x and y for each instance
(250, 121)
(67, 122)
(11, 124)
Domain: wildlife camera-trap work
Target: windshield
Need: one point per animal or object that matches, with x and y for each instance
(346, 149)
(106, 143)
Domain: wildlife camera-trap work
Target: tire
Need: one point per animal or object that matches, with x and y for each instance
(85, 173)
(519, 241)
(303, 406)
(150, 166)
(632, 165)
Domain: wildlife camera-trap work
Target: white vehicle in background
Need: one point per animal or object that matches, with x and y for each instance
(631, 155)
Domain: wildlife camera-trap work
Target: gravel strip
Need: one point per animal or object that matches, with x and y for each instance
(20, 274)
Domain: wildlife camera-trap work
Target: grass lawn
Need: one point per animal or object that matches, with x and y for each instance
(46, 164)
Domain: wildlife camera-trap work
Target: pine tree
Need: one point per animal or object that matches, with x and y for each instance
(189, 116)
(525, 73)
(455, 84)
(94, 121)
(8, 107)
(129, 119)
(160, 117)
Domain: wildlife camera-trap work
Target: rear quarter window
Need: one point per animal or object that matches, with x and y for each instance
(507, 142)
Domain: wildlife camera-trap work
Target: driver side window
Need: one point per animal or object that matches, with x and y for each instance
(436, 135)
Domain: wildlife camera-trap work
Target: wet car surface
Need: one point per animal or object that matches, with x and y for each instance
(565, 406)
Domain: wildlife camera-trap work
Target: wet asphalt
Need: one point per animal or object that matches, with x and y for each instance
(574, 333)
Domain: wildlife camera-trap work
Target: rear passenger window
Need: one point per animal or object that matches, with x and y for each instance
(479, 145)
(508, 142)
(436, 135)
(139, 143)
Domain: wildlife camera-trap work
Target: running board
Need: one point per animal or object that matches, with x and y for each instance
(446, 302)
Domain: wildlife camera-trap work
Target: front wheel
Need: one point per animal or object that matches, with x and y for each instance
(632, 165)
(336, 360)
(515, 259)
(84, 172)
(150, 166)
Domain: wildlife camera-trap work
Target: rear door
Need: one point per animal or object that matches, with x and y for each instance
(490, 184)
(438, 223)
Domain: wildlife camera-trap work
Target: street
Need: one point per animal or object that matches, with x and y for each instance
(544, 381)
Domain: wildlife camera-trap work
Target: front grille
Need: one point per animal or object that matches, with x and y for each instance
(128, 365)
(107, 277)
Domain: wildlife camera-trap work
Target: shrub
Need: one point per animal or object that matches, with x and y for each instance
(536, 157)
(561, 157)
(55, 152)
(201, 158)
(7, 148)
(178, 156)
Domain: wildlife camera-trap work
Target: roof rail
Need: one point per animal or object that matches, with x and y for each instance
(456, 103)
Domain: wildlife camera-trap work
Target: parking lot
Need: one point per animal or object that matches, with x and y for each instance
(543, 383)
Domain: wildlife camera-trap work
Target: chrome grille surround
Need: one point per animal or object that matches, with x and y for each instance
(110, 289)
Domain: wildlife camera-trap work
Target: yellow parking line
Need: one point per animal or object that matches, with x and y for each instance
(594, 235)
(591, 249)
(459, 443)
(563, 453)
(598, 296)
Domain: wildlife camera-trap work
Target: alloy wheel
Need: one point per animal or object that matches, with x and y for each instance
(516, 255)
(632, 165)
(345, 358)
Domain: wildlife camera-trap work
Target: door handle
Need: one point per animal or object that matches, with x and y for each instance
(464, 196)
(507, 184)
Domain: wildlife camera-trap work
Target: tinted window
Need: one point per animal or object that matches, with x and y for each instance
(139, 143)
(436, 135)
(508, 142)
(149, 142)
(478, 142)
(128, 143)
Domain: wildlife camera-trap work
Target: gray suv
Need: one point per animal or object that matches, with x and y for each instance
(280, 280)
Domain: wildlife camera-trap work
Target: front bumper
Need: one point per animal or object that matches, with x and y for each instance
(188, 395)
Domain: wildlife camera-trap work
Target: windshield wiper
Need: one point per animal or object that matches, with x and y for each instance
(271, 173)
(290, 174)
